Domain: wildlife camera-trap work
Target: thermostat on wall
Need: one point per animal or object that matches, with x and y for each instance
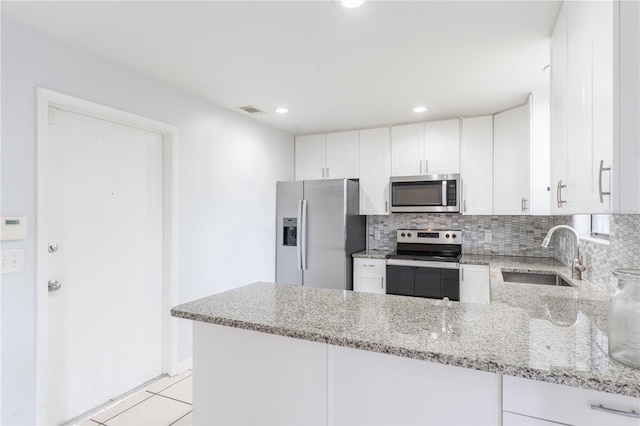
(13, 228)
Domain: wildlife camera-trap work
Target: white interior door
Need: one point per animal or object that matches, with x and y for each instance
(103, 209)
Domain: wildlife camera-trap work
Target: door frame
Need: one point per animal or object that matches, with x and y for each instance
(45, 99)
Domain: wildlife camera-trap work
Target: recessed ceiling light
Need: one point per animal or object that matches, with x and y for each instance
(282, 110)
(420, 109)
(352, 3)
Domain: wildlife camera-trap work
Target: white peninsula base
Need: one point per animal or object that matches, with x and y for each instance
(248, 377)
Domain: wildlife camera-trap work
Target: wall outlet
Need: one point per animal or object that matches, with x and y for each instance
(12, 261)
(376, 235)
(487, 237)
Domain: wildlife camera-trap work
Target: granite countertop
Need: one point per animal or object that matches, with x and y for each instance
(372, 254)
(547, 333)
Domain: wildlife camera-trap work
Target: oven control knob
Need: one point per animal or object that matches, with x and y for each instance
(409, 234)
(447, 236)
(454, 235)
(402, 235)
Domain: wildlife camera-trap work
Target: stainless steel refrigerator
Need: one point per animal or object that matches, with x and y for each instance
(318, 229)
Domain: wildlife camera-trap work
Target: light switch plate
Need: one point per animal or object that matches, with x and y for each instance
(12, 261)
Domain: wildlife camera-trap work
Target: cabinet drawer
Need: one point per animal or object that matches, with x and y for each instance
(368, 267)
(566, 404)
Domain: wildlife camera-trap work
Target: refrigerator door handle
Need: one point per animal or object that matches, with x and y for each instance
(303, 234)
(299, 242)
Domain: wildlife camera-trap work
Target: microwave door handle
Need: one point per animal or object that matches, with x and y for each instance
(444, 193)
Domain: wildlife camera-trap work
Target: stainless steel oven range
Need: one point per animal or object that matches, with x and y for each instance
(426, 264)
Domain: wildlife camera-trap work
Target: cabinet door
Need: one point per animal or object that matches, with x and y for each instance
(442, 147)
(474, 284)
(579, 118)
(477, 165)
(602, 106)
(310, 154)
(375, 170)
(369, 275)
(343, 155)
(511, 170)
(558, 116)
(407, 150)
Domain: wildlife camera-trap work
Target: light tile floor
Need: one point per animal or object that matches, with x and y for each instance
(166, 402)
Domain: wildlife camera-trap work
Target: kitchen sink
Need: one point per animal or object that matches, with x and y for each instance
(532, 278)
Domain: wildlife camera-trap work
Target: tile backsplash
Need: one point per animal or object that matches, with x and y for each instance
(510, 235)
(522, 236)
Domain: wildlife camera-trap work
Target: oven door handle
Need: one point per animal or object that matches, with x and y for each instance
(423, 264)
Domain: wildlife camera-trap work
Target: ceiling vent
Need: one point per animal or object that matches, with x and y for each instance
(252, 110)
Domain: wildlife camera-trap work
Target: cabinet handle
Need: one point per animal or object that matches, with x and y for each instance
(464, 208)
(382, 283)
(327, 172)
(523, 204)
(426, 167)
(368, 266)
(386, 206)
(604, 409)
(420, 166)
(602, 169)
(323, 172)
(559, 194)
(462, 274)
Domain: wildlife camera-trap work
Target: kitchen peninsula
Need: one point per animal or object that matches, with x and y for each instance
(272, 353)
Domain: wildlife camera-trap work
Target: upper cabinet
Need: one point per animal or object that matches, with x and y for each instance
(582, 108)
(330, 156)
(511, 161)
(375, 171)
(425, 148)
(476, 164)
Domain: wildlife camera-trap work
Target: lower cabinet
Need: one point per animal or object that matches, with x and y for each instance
(474, 284)
(369, 275)
(245, 377)
(549, 402)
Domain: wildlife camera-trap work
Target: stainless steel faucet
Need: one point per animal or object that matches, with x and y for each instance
(577, 268)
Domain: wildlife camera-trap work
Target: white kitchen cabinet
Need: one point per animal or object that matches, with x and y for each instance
(582, 108)
(343, 155)
(407, 150)
(369, 275)
(476, 164)
(371, 388)
(426, 148)
(310, 154)
(375, 170)
(442, 147)
(474, 284)
(511, 161)
(564, 404)
(327, 156)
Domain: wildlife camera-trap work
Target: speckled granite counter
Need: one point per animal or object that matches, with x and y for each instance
(553, 334)
(372, 254)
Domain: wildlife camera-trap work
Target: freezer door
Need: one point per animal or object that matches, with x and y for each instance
(326, 258)
(288, 270)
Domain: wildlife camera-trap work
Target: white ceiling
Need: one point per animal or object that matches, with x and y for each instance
(334, 68)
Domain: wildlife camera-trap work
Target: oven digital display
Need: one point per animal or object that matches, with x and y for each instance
(428, 235)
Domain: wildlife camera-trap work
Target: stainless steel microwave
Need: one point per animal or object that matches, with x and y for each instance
(425, 194)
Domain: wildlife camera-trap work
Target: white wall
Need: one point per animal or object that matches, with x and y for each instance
(229, 164)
